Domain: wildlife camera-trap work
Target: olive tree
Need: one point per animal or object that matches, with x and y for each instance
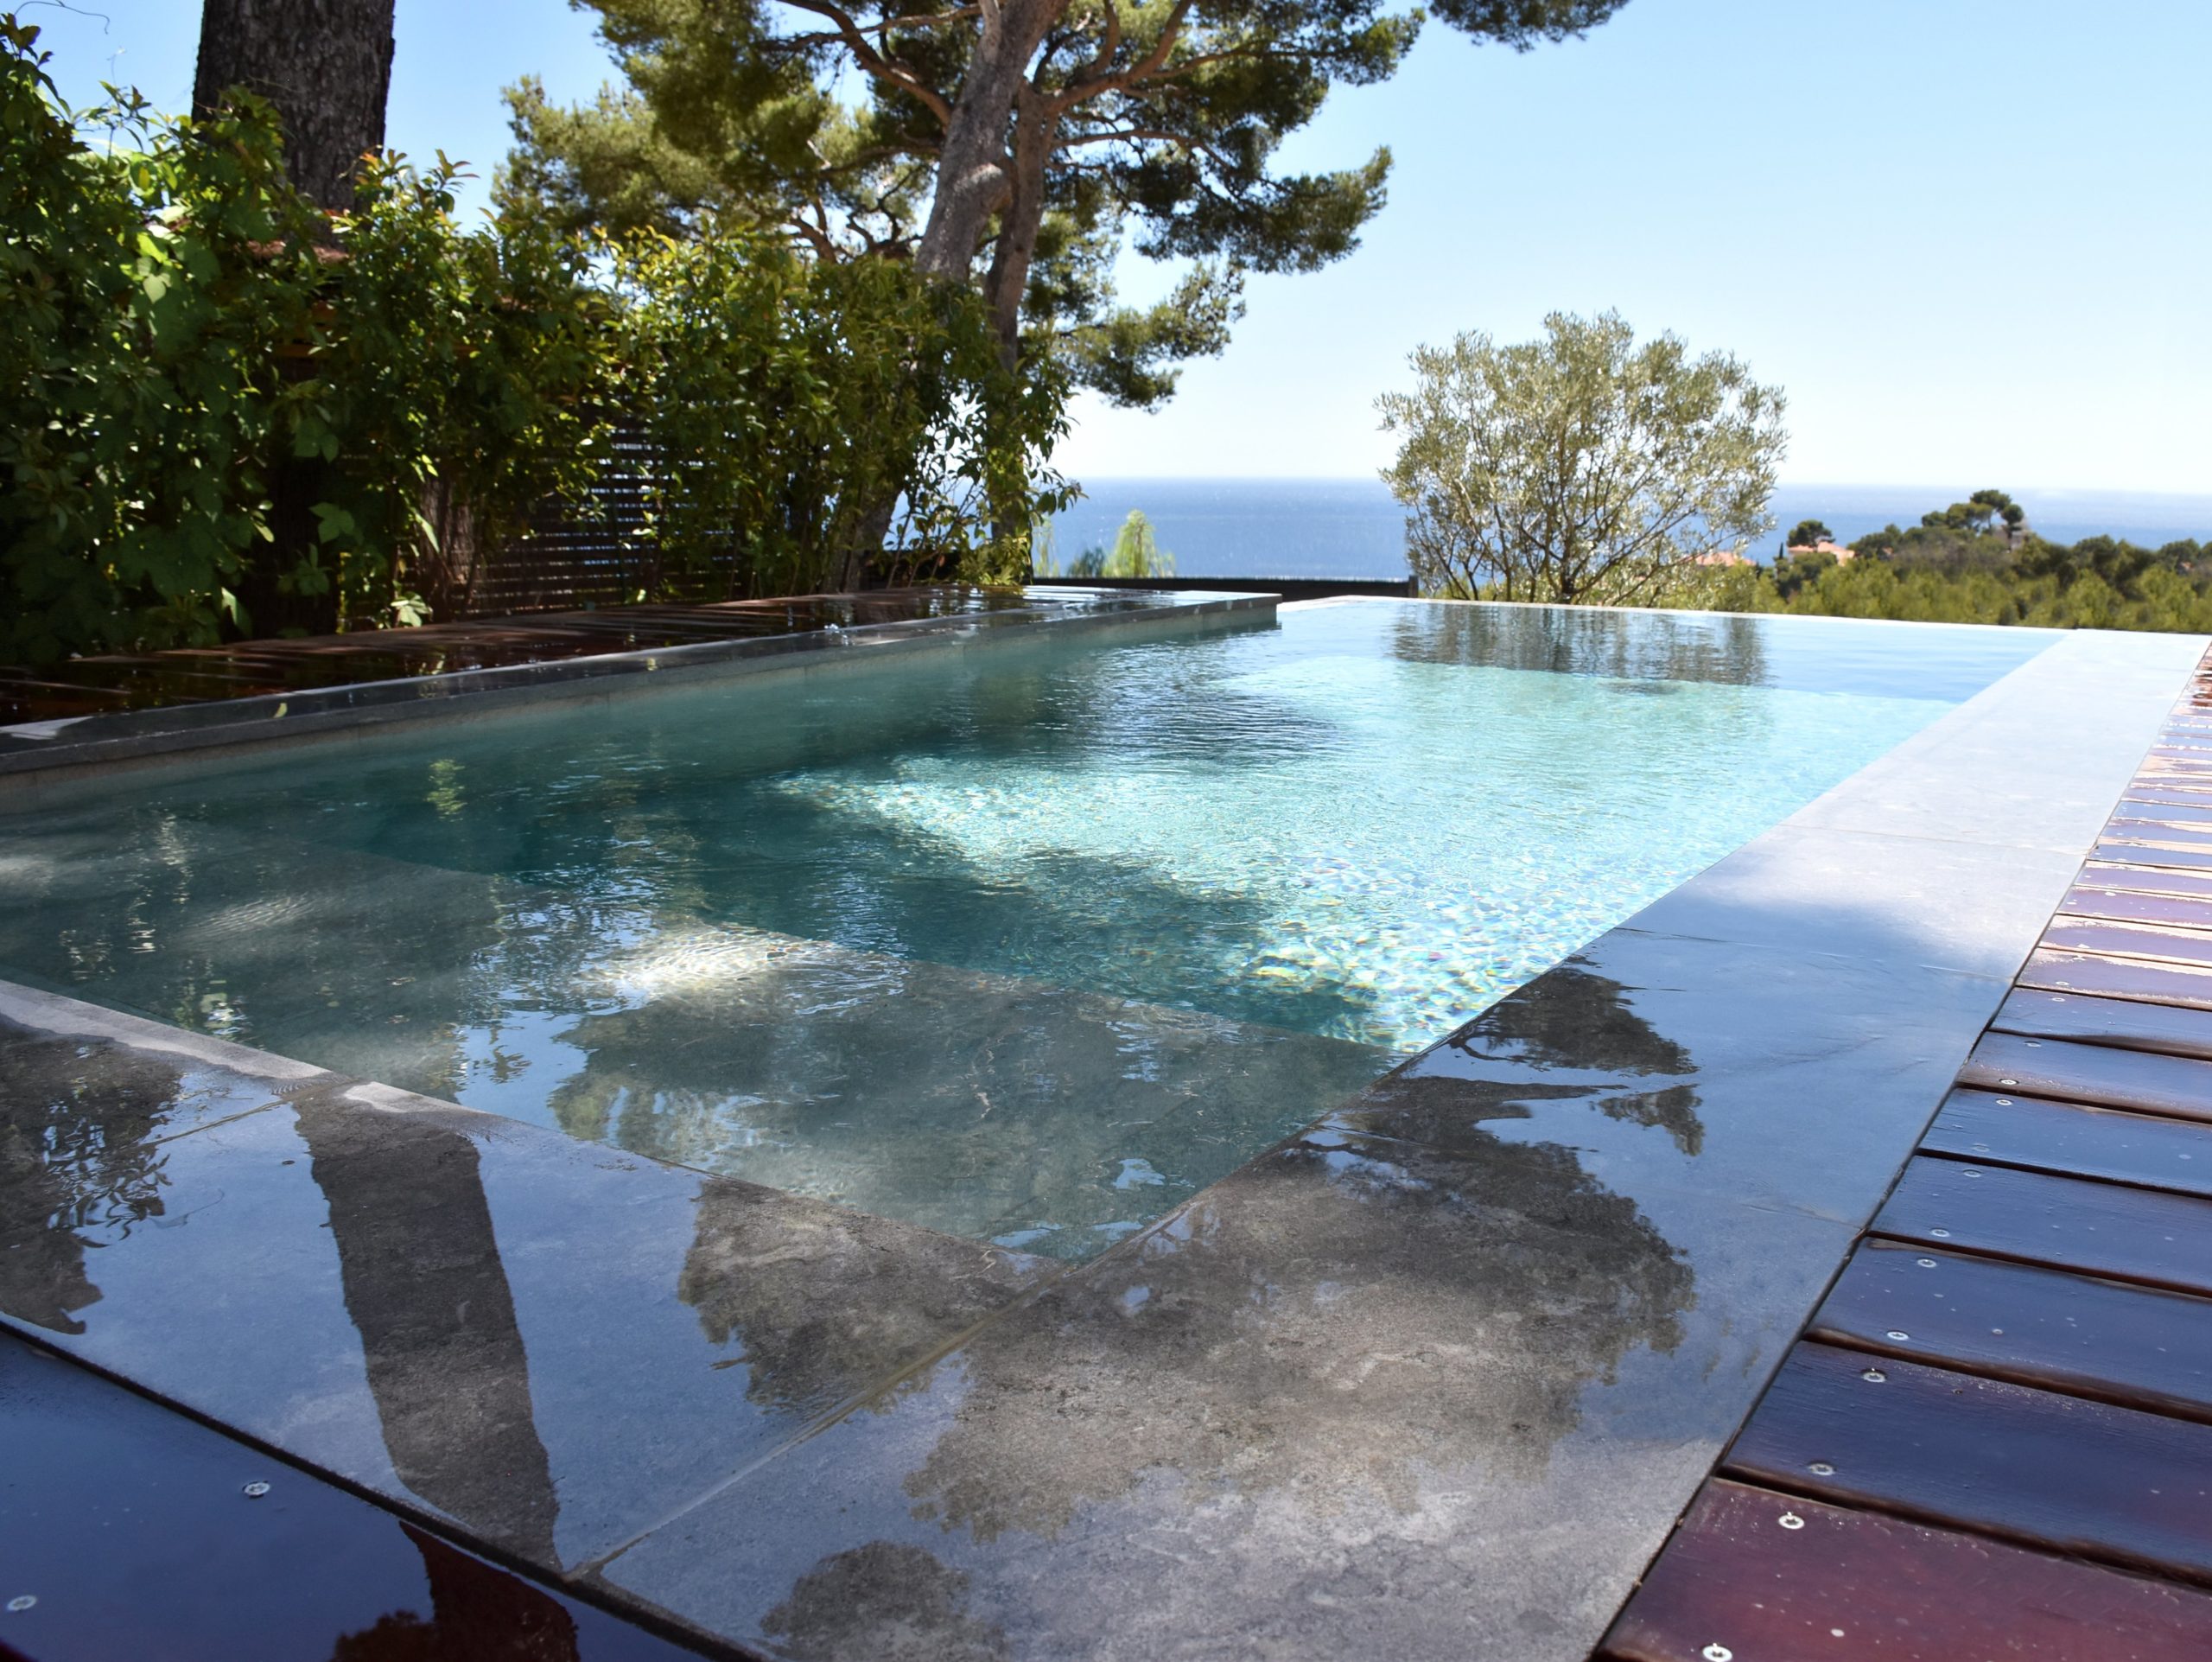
(1581, 467)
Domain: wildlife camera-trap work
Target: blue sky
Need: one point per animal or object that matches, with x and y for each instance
(1970, 239)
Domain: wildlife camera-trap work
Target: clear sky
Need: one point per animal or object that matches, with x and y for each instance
(1970, 239)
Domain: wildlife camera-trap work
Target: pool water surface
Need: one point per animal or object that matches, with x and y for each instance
(1025, 943)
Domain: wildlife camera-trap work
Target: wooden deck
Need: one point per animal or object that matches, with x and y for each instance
(1994, 1439)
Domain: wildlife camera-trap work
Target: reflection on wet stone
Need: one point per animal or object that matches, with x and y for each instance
(1002, 1102)
(1572, 1017)
(1353, 1394)
(885, 1601)
(1463, 1303)
(424, 1286)
(78, 1167)
(1570, 1020)
(478, 1613)
(1674, 1109)
(826, 1301)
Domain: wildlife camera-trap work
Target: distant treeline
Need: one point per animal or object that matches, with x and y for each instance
(1976, 562)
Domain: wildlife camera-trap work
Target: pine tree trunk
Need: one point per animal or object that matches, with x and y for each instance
(325, 64)
(974, 172)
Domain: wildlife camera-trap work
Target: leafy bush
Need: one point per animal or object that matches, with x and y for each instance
(802, 411)
(139, 400)
(200, 354)
(231, 413)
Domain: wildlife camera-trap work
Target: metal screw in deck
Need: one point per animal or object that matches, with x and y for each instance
(1718, 1653)
(21, 1602)
(255, 1491)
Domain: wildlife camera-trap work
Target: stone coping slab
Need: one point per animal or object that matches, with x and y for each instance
(1433, 1376)
(80, 742)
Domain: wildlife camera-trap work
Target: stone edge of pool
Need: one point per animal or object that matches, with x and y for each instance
(1283, 1455)
(83, 746)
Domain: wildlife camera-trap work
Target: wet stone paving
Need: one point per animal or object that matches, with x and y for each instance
(1435, 1376)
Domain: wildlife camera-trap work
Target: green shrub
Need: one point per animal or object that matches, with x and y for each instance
(230, 412)
(803, 410)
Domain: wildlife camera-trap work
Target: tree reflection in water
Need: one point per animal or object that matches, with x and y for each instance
(424, 1286)
(1586, 640)
(78, 1165)
(1571, 1018)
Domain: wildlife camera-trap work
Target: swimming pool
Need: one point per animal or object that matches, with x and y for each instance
(1024, 944)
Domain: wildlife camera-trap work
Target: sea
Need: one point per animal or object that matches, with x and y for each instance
(1350, 528)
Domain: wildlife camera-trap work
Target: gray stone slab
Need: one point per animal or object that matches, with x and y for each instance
(1910, 901)
(2036, 761)
(1707, 1068)
(1362, 1399)
(545, 1343)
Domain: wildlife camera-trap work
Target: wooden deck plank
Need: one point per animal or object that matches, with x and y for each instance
(2148, 1151)
(2170, 942)
(2166, 780)
(2177, 859)
(2162, 798)
(2164, 765)
(2135, 1346)
(2072, 1223)
(2048, 1470)
(2164, 814)
(2128, 906)
(2103, 1074)
(1854, 1586)
(2153, 843)
(2157, 833)
(2087, 1020)
(2051, 970)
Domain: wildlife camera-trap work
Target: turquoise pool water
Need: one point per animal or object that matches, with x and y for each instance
(1025, 943)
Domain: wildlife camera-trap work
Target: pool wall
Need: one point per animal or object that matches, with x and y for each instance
(95, 746)
(1432, 1378)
